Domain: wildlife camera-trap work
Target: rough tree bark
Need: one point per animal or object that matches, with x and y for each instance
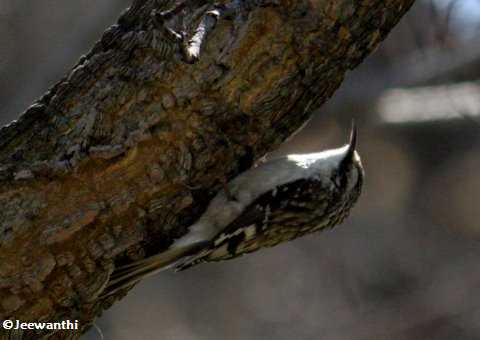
(119, 157)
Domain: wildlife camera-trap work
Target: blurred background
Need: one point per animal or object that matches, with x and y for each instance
(404, 266)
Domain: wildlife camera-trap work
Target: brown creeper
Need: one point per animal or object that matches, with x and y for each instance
(278, 201)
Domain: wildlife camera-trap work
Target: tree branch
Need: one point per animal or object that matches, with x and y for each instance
(121, 156)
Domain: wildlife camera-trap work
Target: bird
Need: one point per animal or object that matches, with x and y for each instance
(277, 201)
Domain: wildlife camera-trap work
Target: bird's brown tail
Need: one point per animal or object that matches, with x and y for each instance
(126, 276)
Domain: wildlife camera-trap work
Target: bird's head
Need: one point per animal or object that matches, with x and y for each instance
(348, 175)
(342, 166)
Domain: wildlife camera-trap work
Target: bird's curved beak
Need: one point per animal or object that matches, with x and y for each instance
(352, 144)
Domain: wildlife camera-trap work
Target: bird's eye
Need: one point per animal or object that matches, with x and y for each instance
(352, 179)
(337, 181)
